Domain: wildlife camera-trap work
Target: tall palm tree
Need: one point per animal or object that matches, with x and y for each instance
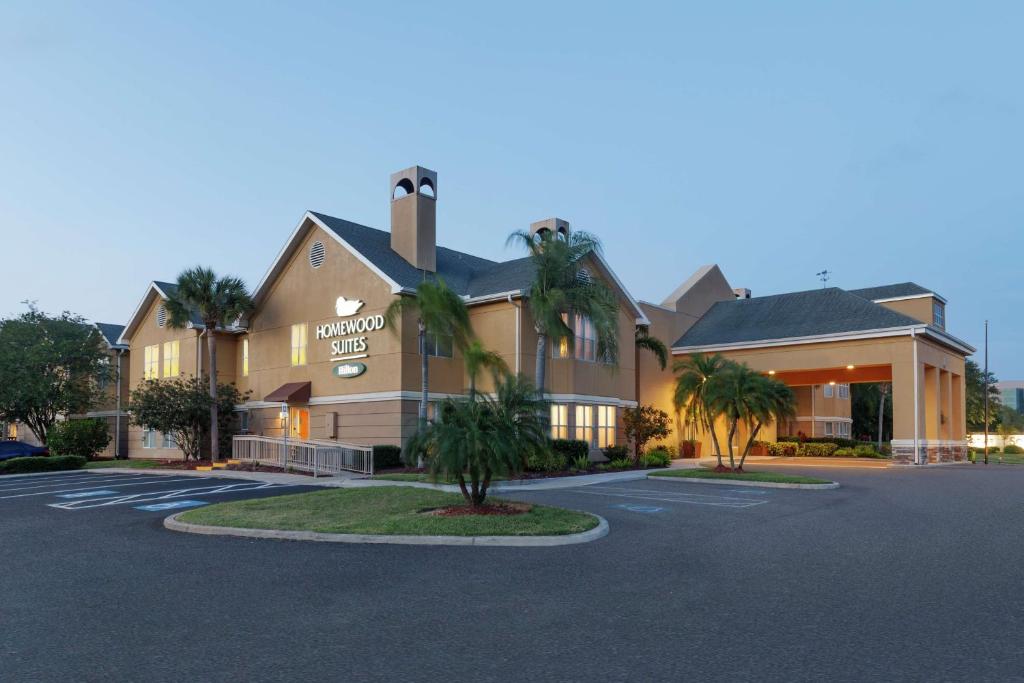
(477, 357)
(696, 374)
(562, 286)
(776, 403)
(218, 302)
(645, 341)
(740, 396)
(440, 312)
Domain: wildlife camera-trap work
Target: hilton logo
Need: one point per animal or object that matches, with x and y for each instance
(349, 370)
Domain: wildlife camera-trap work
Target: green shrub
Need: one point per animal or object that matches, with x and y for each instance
(570, 448)
(620, 464)
(657, 457)
(844, 453)
(865, 451)
(783, 448)
(838, 441)
(991, 450)
(549, 460)
(37, 463)
(87, 438)
(616, 452)
(386, 455)
(1013, 449)
(817, 450)
(581, 462)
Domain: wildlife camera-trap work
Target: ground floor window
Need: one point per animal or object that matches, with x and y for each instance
(149, 438)
(169, 441)
(585, 424)
(9, 431)
(243, 421)
(605, 426)
(559, 421)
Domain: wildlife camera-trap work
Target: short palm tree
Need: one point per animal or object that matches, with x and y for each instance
(562, 286)
(645, 341)
(479, 439)
(477, 358)
(695, 376)
(439, 312)
(218, 302)
(776, 403)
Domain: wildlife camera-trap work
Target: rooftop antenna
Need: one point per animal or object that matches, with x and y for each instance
(823, 276)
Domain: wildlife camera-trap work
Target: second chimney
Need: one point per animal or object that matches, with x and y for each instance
(414, 216)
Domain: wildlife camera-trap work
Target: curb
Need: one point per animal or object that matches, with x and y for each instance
(600, 531)
(539, 484)
(761, 484)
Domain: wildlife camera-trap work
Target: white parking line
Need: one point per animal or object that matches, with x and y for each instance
(89, 488)
(28, 486)
(147, 496)
(688, 498)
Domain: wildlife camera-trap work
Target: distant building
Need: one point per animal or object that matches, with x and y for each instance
(1012, 393)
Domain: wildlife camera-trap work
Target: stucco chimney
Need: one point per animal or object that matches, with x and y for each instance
(554, 225)
(414, 216)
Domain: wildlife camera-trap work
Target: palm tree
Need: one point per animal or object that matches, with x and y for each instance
(218, 302)
(645, 341)
(739, 395)
(695, 375)
(562, 286)
(777, 403)
(479, 439)
(477, 357)
(439, 312)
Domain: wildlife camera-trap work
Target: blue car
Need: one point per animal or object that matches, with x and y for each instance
(20, 449)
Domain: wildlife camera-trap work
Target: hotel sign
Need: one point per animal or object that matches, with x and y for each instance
(348, 336)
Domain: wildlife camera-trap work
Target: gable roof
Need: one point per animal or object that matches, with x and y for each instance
(900, 290)
(160, 289)
(470, 276)
(111, 333)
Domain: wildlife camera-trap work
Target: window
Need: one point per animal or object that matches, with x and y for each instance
(829, 390)
(151, 362)
(299, 344)
(171, 356)
(844, 430)
(584, 340)
(149, 438)
(559, 421)
(243, 421)
(437, 345)
(10, 431)
(844, 390)
(245, 358)
(585, 424)
(605, 426)
(939, 314)
(829, 429)
(169, 441)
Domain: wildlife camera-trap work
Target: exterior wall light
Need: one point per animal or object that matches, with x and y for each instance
(849, 367)
(832, 383)
(771, 372)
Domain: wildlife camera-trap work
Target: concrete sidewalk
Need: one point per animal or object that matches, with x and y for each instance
(267, 477)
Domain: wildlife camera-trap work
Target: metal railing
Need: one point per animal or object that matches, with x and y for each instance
(318, 457)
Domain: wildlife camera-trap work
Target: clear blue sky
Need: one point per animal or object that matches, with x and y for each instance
(880, 140)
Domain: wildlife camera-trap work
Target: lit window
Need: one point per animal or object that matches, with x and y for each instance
(939, 314)
(10, 431)
(844, 391)
(149, 438)
(605, 426)
(559, 421)
(171, 356)
(437, 345)
(584, 339)
(151, 362)
(169, 441)
(245, 358)
(829, 390)
(299, 344)
(585, 424)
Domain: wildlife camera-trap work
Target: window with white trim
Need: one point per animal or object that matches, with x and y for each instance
(245, 358)
(149, 438)
(829, 429)
(605, 426)
(939, 315)
(585, 424)
(844, 390)
(559, 421)
(299, 344)
(829, 390)
(169, 441)
(584, 340)
(151, 362)
(844, 430)
(243, 421)
(437, 345)
(172, 356)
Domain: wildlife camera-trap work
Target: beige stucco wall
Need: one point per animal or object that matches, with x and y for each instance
(918, 309)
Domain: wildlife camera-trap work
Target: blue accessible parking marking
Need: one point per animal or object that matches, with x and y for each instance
(157, 507)
(638, 508)
(86, 494)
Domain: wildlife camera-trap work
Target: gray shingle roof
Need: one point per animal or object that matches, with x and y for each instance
(110, 332)
(782, 316)
(465, 274)
(890, 291)
(170, 288)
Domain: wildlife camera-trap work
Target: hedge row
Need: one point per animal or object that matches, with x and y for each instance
(38, 463)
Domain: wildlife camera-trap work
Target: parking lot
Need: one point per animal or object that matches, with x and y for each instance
(909, 575)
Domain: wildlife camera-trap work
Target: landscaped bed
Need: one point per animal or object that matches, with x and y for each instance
(770, 477)
(131, 464)
(391, 511)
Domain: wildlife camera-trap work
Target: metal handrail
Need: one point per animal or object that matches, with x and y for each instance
(316, 456)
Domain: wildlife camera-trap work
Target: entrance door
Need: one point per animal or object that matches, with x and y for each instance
(298, 423)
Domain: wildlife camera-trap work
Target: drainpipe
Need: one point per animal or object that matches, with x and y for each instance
(518, 331)
(117, 415)
(916, 389)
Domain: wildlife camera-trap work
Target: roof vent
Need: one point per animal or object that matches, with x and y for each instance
(161, 316)
(317, 252)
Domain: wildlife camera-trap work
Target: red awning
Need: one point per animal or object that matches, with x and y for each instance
(293, 392)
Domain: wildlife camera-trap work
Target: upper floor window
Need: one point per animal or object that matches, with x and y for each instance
(939, 314)
(844, 390)
(559, 421)
(299, 344)
(437, 345)
(584, 339)
(829, 390)
(245, 358)
(172, 352)
(151, 362)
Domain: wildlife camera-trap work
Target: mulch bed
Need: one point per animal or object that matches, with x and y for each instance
(487, 509)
